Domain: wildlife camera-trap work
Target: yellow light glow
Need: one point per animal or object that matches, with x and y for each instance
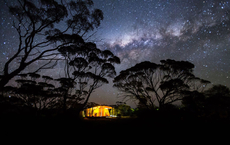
(98, 111)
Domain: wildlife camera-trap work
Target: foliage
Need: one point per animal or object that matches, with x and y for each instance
(87, 68)
(210, 104)
(217, 102)
(41, 19)
(39, 94)
(35, 93)
(122, 109)
(194, 101)
(167, 82)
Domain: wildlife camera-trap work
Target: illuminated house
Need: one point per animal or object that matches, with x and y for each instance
(99, 111)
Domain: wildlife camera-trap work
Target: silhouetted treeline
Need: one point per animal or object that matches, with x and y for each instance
(36, 95)
(42, 99)
(158, 87)
(212, 105)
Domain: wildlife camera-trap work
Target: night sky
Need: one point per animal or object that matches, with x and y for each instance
(151, 30)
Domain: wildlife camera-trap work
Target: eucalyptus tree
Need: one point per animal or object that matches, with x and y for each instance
(34, 91)
(166, 83)
(37, 24)
(87, 68)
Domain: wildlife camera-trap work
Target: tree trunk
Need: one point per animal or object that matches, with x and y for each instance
(87, 99)
(64, 102)
(85, 103)
(161, 104)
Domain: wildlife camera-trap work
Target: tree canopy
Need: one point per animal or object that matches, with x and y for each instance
(36, 23)
(167, 82)
(87, 67)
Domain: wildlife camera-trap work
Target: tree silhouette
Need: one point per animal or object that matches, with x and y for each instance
(217, 102)
(167, 82)
(123, 110)
(194, 102)
(41, 19)
(35, 95)
(87, 68)
(92, 104)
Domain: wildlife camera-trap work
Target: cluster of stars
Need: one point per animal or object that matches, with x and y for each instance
(192, 30)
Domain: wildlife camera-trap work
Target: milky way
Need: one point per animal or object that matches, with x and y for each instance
(138, 30)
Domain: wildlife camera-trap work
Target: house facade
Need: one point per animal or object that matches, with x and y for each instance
(99, 111)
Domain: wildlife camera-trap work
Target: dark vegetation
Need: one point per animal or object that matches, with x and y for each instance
(85, 67)
(40, 100)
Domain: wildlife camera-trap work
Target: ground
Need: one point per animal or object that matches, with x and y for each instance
(109, 129)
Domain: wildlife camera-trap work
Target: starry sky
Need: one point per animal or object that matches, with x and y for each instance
(151, 30)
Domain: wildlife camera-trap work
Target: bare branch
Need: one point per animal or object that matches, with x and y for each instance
(45, 66)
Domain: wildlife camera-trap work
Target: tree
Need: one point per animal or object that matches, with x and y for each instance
(217, 103)
(167, 82)
(194, 102)
(9, 103)
(124, 110)
(86, 69)
(36, 94)
(33, 92)
(37, 24)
